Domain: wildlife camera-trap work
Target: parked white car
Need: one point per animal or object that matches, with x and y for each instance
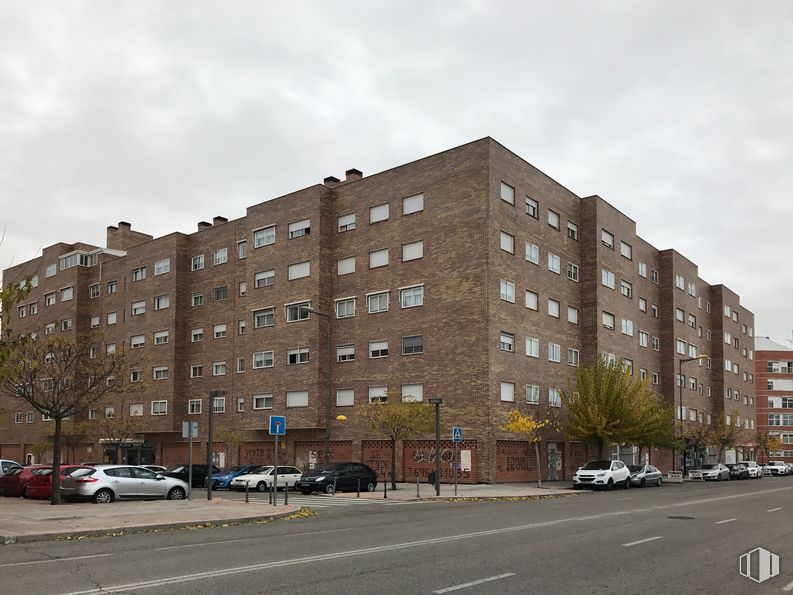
(755, 470)
(602, 474)
(715, 472)
(776, 468)
(262, 478)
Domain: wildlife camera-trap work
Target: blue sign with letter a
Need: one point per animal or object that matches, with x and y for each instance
(277, 425)
(457, 434)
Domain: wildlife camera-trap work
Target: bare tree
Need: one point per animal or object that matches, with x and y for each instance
(724, 435)
(59, 377)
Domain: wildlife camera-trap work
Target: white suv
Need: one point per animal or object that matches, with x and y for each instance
(602, 474)
(755, 470)
(776, 467)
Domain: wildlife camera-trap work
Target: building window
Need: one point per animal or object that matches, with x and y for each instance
(532, 300)
(240, 404)
(194, 407)
(345, 353)
(554, 352)
(572, 230)
(378, 213)
(346, 222)
(137, 341)
(643, 269)
(413, 345)
(413, 204)
(66, 324)
(196, 371)
(160, 373)
(296, 356)
(197, 263)
(626, 250)
(656, 344)
(263, 359)
(197, 335)
(654, 310)
(299, 228)
(242, 249)
(507, 341)
(94, 319)
(51, 270)
(18, 417)
(627, 327)
(299, 270)
(110, 412)
(345, 308)
(219, 404)
(532, 347)
(49, 299)
(532, 253)
(572, 271)
(162, 266)
(554, 398)
(680, 283)
(572, 314)
(197, 299)
(139, 274)
(412, 393)
(532, 394)
(218, 368)
(264, 236)
(553, 308)
(532, 208)
(554, 263)
(240, 365)
(264, 278)
(412, 296)
(607, 239)
(680, 315)
(507, 242)
(378, 258)
(297, 398)
(161, 302)
(508, 193)
(345, 397)
(642, 304)
(626, 288)
(553, 220)
(49, 328)
(607, 278)
(644, 339)
(377, 302)
(608, 320)
(297, 312)
(138, 308)
(110, 349)
(508, 392)
(160, 337)
(67, 293)
(33, 307)
(412, 251)
(264, 401)
(378, 394)
(378, 349)
(345, 266)
(656, 378)
(507, 291)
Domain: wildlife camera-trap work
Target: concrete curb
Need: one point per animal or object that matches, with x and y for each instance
(79, 534)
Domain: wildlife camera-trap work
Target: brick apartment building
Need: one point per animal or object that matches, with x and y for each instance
(467, 275)
(774, 373)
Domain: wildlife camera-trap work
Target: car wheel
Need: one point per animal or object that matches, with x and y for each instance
(261, 486)
(642, 483)
(627, 485)
(176, 494)
(330, 489)
(610, 485)
(370, 486)
(658, 483)
(103, 496)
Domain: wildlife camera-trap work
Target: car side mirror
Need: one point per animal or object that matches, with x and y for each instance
(158, 477)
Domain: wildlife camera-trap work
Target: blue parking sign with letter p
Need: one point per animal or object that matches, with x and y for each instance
(277, 425)
(457, 434)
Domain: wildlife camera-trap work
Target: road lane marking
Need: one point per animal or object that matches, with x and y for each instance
(775, 509)
(53, 560)
(474, 583)
(788, 587)
(178, 547)
(725, 521)
(632, 543)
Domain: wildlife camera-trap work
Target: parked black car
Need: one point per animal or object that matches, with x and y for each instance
(199, 474)
(738, 471)
(338, 477)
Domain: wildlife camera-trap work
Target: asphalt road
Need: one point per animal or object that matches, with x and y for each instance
(616, 542)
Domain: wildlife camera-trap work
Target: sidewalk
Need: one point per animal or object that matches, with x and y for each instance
(24, 520)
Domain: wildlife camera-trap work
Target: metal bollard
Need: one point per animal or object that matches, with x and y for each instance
(385, 489)
(359, 488)
(247, 486)
(334, 486)
(417, 487)
(270, 495)
(286, 494)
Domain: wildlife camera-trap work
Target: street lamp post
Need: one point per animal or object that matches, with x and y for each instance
(437, 402)
(680, 384)
(327, 380)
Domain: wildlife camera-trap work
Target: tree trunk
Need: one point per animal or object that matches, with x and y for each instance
(56, 463)
(539, 466)
(393, 464)
(601, 449)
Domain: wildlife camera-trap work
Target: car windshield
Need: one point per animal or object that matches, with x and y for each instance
(82, 472)
(44, 471)
(178, 469)
(262, 470)
(234, 469)
(635, 468)
(705, 467)
(597, 466)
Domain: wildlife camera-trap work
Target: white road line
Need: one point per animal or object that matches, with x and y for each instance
(725, 521)
(474, 583)
(775, 509)
(179, 547)
(788, 587)
(53, 560)
(632, 543)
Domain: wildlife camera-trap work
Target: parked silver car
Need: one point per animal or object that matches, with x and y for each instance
(715, 472)
(645, 475)
(104, 483)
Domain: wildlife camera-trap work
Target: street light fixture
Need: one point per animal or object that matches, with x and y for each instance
(327, 380)
(680, 411)
(437, 402)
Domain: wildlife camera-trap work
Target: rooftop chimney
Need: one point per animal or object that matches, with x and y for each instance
(353, 174)
(218, 220)
(331, 181)
(123, 237)
(202, 225)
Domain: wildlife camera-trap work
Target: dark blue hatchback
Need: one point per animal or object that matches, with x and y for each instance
(223, 479)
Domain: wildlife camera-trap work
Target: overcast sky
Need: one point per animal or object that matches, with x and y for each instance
(167, 113)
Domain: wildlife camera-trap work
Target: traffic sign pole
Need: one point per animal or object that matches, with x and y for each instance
(275, 473)
(277, 428)
(457, 438)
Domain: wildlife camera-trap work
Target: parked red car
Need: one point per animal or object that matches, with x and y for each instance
(14, 482)
(40, 484)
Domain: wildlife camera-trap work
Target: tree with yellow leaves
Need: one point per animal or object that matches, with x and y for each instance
(530, 427)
